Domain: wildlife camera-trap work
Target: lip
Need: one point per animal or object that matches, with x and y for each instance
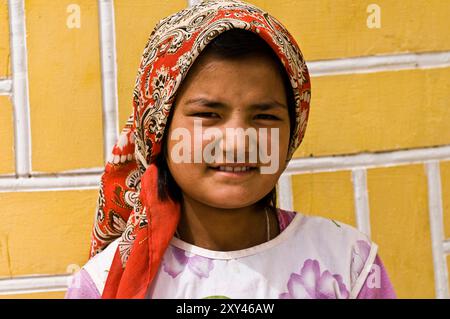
(233, 165)
(253, 169)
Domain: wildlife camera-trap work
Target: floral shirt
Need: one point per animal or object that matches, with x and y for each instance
(312, 257)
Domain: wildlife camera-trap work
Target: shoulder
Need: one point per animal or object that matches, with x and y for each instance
(332, 232)
(338, 246)
(98, 266)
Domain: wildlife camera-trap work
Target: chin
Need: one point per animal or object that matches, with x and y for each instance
(231, 200)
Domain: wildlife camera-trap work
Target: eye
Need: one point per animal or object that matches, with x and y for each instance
(207, 115)
(269, 117)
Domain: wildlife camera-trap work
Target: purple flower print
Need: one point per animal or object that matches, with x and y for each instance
(177, 261)
(310, 283)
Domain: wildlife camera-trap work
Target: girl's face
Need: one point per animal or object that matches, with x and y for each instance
(229, 94)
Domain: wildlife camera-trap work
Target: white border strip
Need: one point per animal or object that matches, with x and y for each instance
(367, 160)
(437, 229)
(361, 198)
(379, 63)
(5, 86)
(34, 284)
(82, 178)
(109, 75)
(285, 196)
(20, 94)
(55, 182)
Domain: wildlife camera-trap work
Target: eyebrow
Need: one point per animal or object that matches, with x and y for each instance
(263, 106)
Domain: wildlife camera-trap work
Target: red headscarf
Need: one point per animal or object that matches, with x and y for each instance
(128, 205)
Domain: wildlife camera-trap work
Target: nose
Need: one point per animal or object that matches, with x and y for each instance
(239, 144)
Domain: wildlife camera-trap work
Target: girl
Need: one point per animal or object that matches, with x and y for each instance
(169, 225)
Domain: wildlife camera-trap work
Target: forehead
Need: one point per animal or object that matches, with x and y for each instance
(249, 77)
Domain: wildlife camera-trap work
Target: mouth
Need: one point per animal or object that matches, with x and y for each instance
(235, 168)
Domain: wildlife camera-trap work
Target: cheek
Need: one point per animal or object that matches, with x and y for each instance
(279, 144)
(187, 173)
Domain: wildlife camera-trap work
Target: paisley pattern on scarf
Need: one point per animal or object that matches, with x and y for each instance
(171, 50)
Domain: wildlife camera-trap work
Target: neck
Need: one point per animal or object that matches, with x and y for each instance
(224, 229)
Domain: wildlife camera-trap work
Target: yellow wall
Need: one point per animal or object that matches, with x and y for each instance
(132, 35)
(48, 231)
(328, 29)
(4, 41)
(45, 232)
(378, 111)
(37, 295)
(6, 135)
(65, 90)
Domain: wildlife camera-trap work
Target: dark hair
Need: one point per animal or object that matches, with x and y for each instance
(233, 44)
